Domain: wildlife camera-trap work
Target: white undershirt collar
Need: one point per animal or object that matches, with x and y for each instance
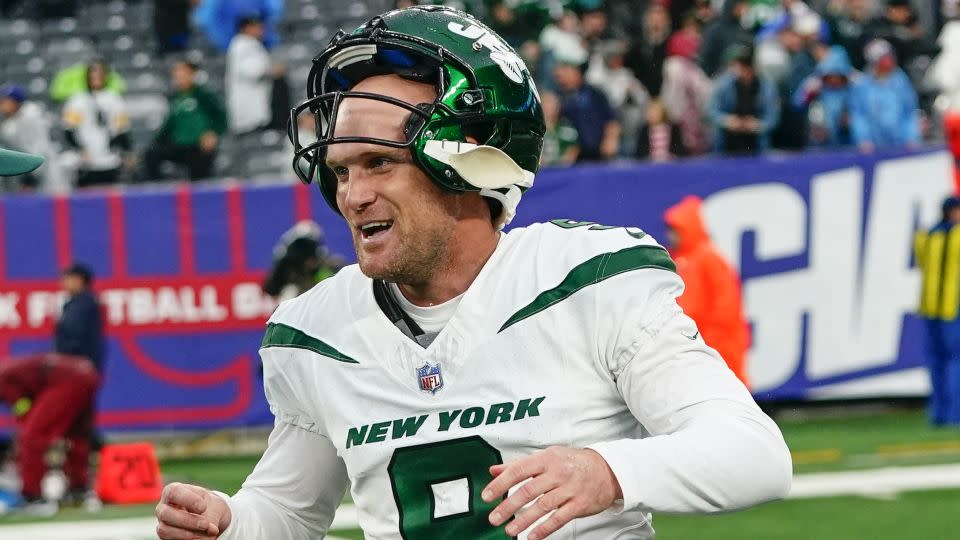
(431, 318)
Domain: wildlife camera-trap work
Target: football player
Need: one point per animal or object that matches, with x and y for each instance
(467, 383)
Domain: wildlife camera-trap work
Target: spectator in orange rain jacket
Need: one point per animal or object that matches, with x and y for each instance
(712, 295)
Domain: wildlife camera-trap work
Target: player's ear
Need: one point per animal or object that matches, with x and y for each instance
(470, 139)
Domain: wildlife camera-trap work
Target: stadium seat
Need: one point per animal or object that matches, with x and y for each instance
(17, 28)
(59, 28)
(24, 47)
(147, 83)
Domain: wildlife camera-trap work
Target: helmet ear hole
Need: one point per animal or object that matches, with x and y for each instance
(481, 132)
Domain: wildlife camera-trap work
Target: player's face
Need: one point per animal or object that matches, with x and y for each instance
(400, 221)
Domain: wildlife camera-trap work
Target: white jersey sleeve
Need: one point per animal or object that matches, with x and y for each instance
(707, 446)
(298, 484)
(293, 492)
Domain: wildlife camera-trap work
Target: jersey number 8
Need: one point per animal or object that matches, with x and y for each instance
(437, 490)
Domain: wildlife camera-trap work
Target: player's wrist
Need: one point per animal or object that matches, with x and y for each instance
(613, 492)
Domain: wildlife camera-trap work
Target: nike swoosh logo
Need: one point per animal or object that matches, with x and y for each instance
(693, 337)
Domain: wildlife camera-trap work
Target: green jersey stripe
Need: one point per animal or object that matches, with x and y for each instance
(594, 271)
(281, 335)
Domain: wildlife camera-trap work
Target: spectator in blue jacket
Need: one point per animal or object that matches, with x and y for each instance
(79, 331)
(884, 104)
(825, 96)
(745, 107)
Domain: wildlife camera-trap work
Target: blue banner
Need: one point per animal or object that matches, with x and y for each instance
(822, 241)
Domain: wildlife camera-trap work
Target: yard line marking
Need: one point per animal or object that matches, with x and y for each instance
(883, 482)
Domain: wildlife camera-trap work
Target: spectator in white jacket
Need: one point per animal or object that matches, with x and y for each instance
(623, 90)
(98, 128)
(25, 127)
(944, 73)
(250, 78)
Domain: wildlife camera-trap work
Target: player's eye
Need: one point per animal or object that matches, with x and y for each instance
(340, 172)
(379, 162)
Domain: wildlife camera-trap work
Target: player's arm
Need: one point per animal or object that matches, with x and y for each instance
(292, 493)
(711, 447)
(294, 490)
(300, 480)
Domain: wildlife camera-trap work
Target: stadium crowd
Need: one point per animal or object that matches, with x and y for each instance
(620, 79)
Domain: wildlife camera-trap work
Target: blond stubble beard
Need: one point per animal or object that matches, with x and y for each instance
(419, 256)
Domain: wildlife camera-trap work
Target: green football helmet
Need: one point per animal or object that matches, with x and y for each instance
(484, 91)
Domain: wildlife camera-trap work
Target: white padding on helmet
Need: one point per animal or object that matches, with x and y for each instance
(508, 201)
(484, 167)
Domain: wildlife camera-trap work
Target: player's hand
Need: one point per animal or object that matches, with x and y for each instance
(188, 512)
(566, 483)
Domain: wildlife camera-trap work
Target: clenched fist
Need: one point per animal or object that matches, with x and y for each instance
(188, 512)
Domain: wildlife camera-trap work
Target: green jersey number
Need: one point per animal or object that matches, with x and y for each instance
(437, 489)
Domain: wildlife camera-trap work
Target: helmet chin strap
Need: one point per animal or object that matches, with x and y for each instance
(482, 166)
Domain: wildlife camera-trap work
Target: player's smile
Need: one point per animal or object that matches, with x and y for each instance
(375, 232)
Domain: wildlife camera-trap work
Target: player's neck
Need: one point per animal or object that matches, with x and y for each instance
(465, 258)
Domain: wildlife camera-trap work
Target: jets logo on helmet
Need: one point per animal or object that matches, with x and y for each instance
(484, 93)
(511, 64)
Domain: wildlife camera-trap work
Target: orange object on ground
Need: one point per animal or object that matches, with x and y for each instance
(129, 474)
(712, 296)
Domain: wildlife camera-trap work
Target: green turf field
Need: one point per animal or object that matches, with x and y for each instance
(821, 444)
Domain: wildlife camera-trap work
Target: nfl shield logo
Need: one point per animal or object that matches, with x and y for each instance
(430, 378)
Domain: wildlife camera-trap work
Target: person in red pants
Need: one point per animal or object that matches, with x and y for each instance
(51, 394)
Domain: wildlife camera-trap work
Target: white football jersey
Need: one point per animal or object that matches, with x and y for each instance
(570, 335)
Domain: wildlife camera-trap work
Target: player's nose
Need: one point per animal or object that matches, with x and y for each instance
(356, 193)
